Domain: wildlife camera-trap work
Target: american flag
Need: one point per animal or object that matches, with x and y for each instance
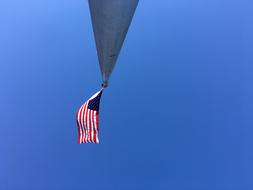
(87, 120)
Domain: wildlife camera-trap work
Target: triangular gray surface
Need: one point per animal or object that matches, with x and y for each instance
(110, 21)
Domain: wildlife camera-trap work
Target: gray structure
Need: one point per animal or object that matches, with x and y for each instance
(110, 21)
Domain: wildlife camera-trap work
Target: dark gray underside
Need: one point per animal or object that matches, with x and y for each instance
(110, 21)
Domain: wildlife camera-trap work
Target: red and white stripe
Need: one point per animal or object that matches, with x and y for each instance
(87, 122)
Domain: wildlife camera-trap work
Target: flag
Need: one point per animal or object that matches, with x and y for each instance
(87, 120)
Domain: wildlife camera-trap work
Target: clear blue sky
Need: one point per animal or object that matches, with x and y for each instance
(178, 113)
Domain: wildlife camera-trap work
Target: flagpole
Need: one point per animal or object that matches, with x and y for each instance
(104, 84)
